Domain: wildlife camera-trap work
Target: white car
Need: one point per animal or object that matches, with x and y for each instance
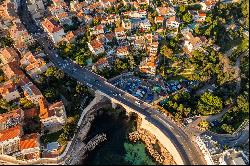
(137, 102)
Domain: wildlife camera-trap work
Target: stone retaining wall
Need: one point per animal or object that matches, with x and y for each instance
(161, 154)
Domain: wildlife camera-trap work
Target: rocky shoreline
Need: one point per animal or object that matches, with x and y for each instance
(160, 154)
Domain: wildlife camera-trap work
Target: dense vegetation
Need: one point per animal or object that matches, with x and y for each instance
(6, 41)
(56, 86)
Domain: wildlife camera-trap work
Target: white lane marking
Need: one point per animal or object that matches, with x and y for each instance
(165, 123)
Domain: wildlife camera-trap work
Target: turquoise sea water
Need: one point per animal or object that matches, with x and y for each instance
(117, 149)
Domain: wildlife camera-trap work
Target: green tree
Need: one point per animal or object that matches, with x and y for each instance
(51, 71)
(4, 106)
(209, 104)
(182, 8)
(204, 124)
(54, 72)
(50, 93)
(81, 89)
(228, 128)
(187, 17)
(242, 103)
(6, 42)
(26, 103)
(165, 51)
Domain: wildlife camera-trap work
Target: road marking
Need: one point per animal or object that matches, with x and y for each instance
(165, 123)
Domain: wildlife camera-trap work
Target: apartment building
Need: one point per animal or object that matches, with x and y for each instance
(10, 140)
(11, 119)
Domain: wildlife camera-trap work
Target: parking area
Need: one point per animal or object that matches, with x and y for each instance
(149, 90)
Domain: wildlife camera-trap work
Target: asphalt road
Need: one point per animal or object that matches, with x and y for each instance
(187, 149)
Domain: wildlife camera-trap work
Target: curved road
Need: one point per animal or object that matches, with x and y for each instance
(188, 150)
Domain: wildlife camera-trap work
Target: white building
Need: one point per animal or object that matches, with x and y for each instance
(52, 116)
(96, 47)
(54, 30)
(145, 24)
(233, 157)
(36, 7)
(172, 23)
(122, 51)
(10, 140)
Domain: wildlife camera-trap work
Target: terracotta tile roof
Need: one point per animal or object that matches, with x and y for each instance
(28, 56)
(47, 110)
(163, 10)
(11, 133)
(173, 18)
(99, 27)
(101, 61)
(210, 2)
(62, 15)
(30, 113)
(202, 14)
(80, 14)
(8, 54)
(122, 49)
(43, 108)
(11, 114)
(141, 1)
(154, 44)
(29, 141)
(159, 19)
(37, 64)
(94, 5)
(96, 44)
(110, 36)
(7, 87)
(110, 1)
(51, 25)
(12, 69)
(69, 36)
(35, 90)
(193, 40)
(78, 31)
(55, 106)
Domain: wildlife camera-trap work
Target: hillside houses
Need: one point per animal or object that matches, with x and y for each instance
(172, 22)
(29, 147)
(12, 70)
(96, 47)
(53, 28)
(165, 11)
(33, 65)
(192, 43)
(9, 91)
(122, 51)
(8, 55)
(10, 140)
(52, 116)
(19, 68)
(11, 119)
